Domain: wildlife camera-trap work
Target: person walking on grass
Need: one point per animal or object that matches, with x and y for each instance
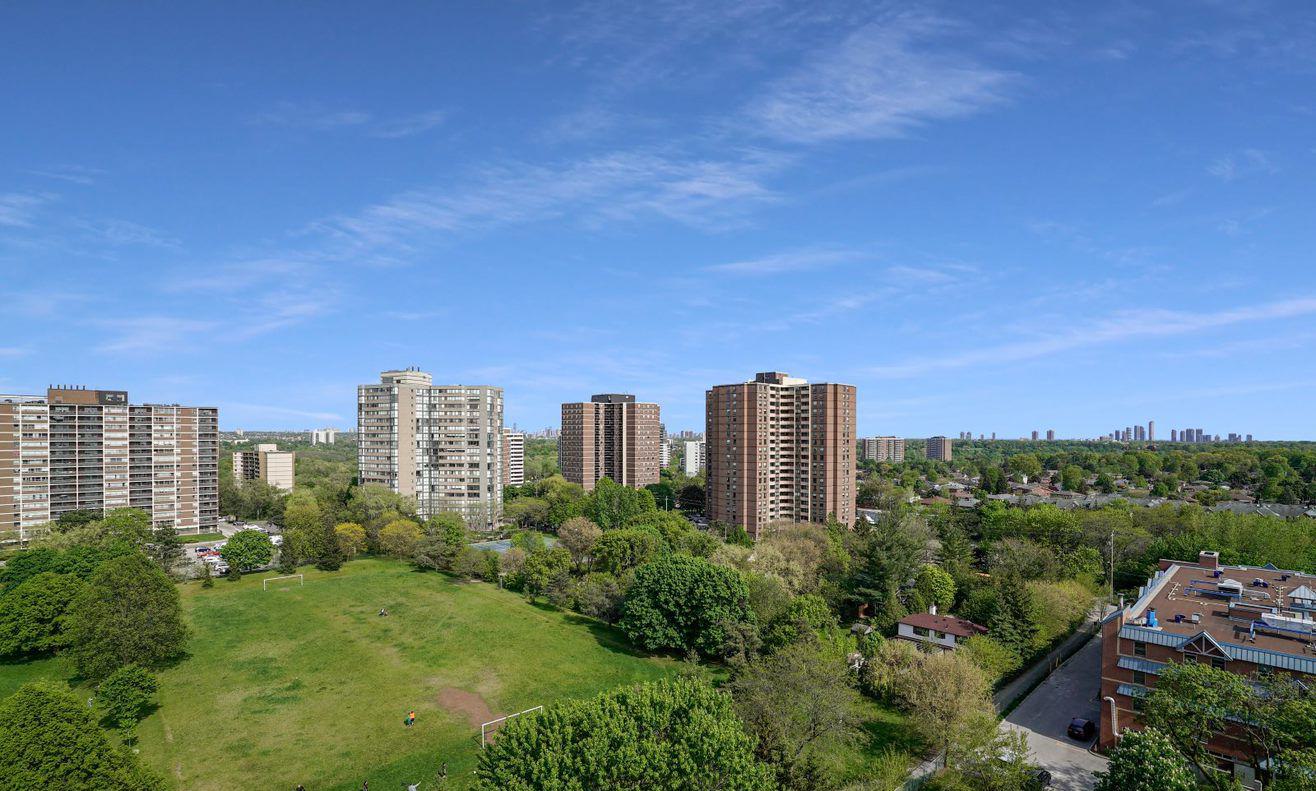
(411, 718)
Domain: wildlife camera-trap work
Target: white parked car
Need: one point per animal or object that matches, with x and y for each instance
(276, 540)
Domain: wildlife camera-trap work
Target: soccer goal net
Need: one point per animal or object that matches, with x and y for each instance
(487, 728)
(282, 581)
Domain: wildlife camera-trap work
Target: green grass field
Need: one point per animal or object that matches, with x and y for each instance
(309, 685)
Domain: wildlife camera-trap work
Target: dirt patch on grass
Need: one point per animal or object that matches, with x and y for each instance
(467, 704)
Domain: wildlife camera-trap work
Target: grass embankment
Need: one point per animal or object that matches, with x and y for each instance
(201, 538)
(309, 685)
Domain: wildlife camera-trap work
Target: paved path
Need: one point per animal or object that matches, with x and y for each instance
(1073, 690)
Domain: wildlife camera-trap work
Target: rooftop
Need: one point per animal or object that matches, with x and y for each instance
(944, 623)
(1231, 604)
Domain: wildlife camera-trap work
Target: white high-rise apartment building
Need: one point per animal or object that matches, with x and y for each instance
(266, 463)
(79, 449)
(882, 448)
(441, 444)
(324, 436)
(693, 463)
(513, 458)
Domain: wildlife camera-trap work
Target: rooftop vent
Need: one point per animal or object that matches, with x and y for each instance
(1207, 559)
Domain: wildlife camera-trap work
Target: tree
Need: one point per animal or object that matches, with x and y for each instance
(949, 696)
(683, 603)
(804, 617)
(577, 535)
(671, 735)
(542, 568)
(1073, 479)
(303, 523)
(799, 702)
(992, 657)
(351, 538)
(166, 548)
(1146, 760)
(616, 551)
(611, 505)
(248, 549)
(600, 596)
(399, 537)
(1026, 466)
(128, 613)
(936, 586)
(1273, 719)
(49, 739)
(331, 555)
(125, 696)
(1014, 622)
(34, 615)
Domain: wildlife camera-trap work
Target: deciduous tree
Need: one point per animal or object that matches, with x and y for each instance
(672, 735)
(681, 603)
(128, 613)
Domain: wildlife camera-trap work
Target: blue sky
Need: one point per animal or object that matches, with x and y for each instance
(987, 216)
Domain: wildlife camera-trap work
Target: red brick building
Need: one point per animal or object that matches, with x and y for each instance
(1242, 619)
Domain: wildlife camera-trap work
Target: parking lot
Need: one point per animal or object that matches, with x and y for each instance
(1071, 691)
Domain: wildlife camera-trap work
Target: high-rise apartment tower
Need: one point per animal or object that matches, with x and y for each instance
(441, 444)
(610, 436)
(78, 449)
(779, 449)
(513, 458)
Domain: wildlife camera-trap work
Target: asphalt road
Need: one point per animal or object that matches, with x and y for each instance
(1071, 691)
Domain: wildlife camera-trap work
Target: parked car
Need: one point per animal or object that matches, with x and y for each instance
(1037, 780)
(202, 550)
(1081, 729)
(276, 540)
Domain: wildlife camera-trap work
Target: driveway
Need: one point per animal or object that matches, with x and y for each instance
(1071, 691)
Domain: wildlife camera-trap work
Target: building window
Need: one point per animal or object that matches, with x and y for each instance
(1218, 664)
(920, 631)
(1139, 648)
(1139, 677)
(1138, 703)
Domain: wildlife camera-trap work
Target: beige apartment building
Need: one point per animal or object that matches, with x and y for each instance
(939, 448)
(79, 449)
(513, 458)
(778, 449)
(441, 444)
(266, 463)
(882, 449)
(610, 436)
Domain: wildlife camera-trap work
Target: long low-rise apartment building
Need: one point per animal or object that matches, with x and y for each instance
(1243, 619)
(78, 449)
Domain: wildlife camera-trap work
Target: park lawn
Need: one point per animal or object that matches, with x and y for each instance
(201, 538)
(309, 685)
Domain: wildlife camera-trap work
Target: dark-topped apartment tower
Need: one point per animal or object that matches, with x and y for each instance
(779, 449)
(610, 436)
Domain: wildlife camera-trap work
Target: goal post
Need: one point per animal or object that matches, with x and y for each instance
(301, 580)
(485, 728)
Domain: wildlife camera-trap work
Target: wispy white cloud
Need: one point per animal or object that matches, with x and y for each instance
(409, 125)
(152, 334)
(1120, 328)
(789, 261)
(125, 233)
(73, 174)
(14, 351)
(17, 209)
(617, 186)
(1248, 162)
(413, 315)
(883, 80)
(314, 117)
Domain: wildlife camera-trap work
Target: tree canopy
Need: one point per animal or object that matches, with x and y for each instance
(128, 613)
(673, 735)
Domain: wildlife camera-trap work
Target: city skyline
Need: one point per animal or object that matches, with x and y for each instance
(944, 206)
